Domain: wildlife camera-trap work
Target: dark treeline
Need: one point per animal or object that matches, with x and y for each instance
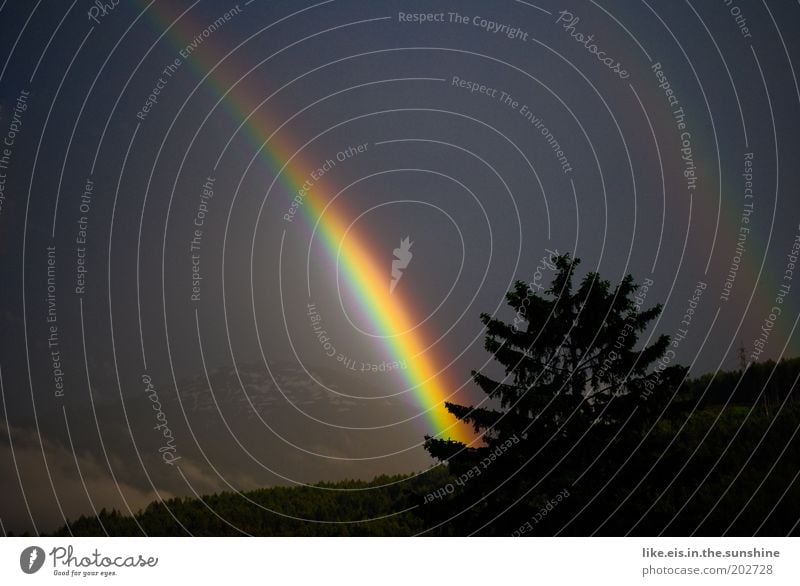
(587, 433)
(355, 508)
(756, 493)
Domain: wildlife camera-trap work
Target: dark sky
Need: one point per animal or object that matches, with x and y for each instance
(664, 147)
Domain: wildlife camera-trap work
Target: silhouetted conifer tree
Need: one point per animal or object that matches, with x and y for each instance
(573, 378)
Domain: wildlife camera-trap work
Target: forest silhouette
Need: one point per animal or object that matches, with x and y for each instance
(584, 430)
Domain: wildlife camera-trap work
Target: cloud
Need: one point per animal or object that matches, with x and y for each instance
(80, 481)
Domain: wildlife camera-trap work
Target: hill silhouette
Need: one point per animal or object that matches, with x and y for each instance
(723, 459)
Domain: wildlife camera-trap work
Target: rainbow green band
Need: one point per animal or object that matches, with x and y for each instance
(368, 281)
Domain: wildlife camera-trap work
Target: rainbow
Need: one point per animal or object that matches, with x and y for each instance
(756, 286)
(365, 279)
